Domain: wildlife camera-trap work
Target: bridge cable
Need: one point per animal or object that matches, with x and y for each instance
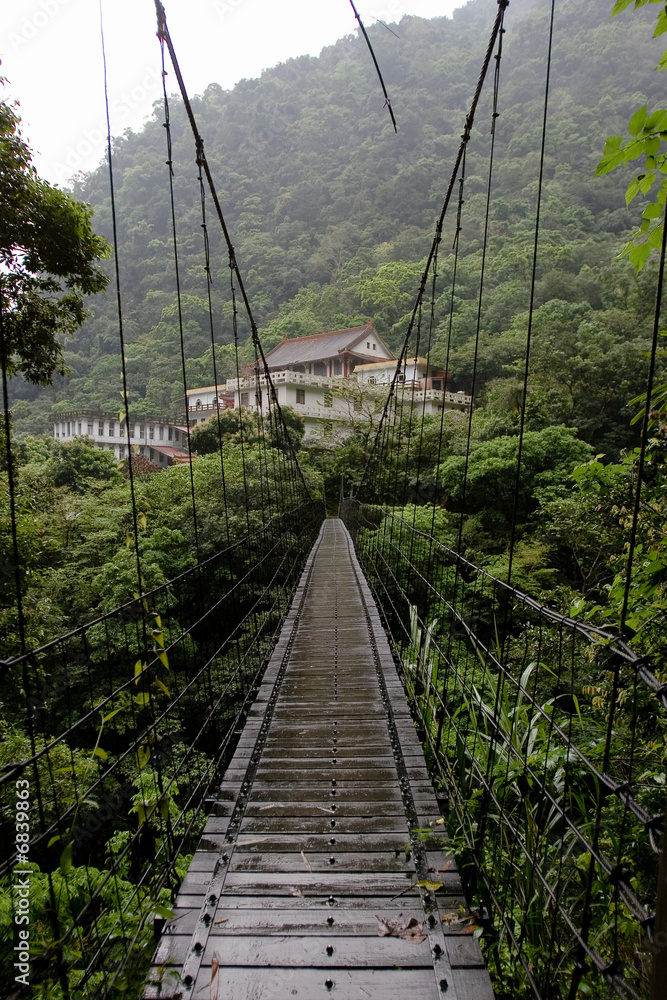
(163, 35)
(179, 304)
(465, 138)
(377, 67)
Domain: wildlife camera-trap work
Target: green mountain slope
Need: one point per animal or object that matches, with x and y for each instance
(331, 212)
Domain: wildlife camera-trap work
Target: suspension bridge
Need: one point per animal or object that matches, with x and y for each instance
(334, 756)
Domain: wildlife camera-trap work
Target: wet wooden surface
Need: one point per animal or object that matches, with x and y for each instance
(323, 826)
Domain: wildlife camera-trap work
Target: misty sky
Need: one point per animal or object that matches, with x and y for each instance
(51, 56)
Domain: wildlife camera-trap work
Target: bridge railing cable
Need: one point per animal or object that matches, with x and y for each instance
(545, 796)
(117, 731)
(545, 734)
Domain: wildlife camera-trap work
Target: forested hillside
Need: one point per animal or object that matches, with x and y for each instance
(331, 214)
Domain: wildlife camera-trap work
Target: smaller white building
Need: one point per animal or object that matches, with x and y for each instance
(205, 401)
(159, 439)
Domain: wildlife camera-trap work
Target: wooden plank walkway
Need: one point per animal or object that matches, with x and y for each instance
(312, 840)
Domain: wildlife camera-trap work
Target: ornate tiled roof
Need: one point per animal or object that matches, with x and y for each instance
(321, 346)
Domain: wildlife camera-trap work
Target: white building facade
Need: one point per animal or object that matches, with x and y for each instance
(422, 385)
(157, 438)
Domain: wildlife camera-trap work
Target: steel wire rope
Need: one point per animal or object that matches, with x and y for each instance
(645, 429)
(399, 489)
(179, 303)
(375, 62)
(20, 612)
(612, 786)
(163, 35)
(416, 313)
(455, 247)
(76, 925)
(469, 121)
(124, 852)
(531, 305)
(209, 282)
(212, 768)
(480, 297)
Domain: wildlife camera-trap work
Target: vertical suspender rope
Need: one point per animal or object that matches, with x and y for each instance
(370, 49)
(4, 362)
(119, 309)
(470, 118)
(517, 482)
(170, 164)
(163, 35)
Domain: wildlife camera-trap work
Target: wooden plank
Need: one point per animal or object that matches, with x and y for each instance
(293, 951)
(347, 806)
(319, 920)
(335, 769)
(311, 984)
(347, 861)
(339, 821)
(353, 842)
(316, 883)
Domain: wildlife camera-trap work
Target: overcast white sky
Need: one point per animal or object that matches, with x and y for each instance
(51, 56)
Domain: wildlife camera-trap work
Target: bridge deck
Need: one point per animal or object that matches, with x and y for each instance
(308, 848)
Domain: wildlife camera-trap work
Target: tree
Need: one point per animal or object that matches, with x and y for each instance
(647, 134)
(49, 259)
(548, 457)
(73, 463)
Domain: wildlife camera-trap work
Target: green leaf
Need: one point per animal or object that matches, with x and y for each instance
(65, 862)
(655, 238)
(163, 911)
(163, 658)
(661, 25)
(654, 120)
(620, 6)
(426, 883)
(637, 121)
(637, 254)
(143, 698)
(158, 636)
(111, 715)
(609, 163)
(162, 687)
(613, 143)
(139, 668)
(142, 517)
(646, 182)
(54, 840)
(143, 755)
(102, 754)
(652, 211)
